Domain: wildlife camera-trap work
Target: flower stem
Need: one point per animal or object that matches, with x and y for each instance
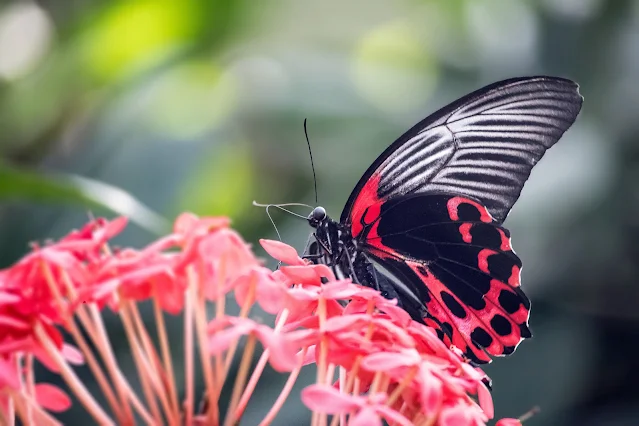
(286, 390)
(152, 365)
(188, 361)
(30, 380)
(166, 355)
(199, 312)
(71, 326)
(95, 329)
(25, 402)
(259, 368)
(244, 312)
(240, 380)
(136, 351)
(408, 377)
(81, 392)
(220, 311)
(319, 419)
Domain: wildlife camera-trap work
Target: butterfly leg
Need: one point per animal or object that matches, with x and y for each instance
(383, 285)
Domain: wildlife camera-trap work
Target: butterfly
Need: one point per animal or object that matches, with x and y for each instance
(424, 224)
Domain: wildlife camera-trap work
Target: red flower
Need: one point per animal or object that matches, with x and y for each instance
(374, 363)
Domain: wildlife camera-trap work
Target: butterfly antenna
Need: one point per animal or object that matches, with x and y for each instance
(281, 207)
(279, 237)
(310, 153)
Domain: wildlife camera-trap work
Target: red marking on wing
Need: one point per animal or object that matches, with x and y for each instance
(453, 207)
(367, 206)
(505, 241)
(461, 328)
(464, 230)
(515, 277)
(496, 287)
(482, 259)
(375, 244)
(372, 213)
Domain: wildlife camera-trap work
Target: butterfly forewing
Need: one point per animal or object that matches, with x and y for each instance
(482, 146)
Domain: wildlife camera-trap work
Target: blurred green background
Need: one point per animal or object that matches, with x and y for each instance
(150, 108)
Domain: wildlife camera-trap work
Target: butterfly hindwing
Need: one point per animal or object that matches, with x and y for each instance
(447, 251)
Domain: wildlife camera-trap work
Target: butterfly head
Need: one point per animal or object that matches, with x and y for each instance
(317, 216)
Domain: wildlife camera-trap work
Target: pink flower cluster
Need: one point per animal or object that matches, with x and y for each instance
(373, 362)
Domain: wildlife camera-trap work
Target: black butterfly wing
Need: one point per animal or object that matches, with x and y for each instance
(483, 146)
(447, 252)
(477, 153)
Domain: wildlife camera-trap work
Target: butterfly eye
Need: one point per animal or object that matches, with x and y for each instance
(319, 214)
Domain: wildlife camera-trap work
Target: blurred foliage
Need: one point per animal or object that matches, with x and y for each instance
(68, 189)
(198, 105)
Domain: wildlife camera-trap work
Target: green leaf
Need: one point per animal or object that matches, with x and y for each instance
(23, 184)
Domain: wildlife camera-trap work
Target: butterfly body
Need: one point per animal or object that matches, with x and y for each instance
(424, 223)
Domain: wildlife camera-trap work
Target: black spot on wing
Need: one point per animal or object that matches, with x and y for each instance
(510, 301)
(468, 213)
(508, 350)
(453, 305)
(525, 331)
(500, 265)
(485, 235)
(501, 325)
(448, 328)
(481, 337)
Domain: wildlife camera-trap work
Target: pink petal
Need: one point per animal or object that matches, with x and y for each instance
(100, 290)
(170, 293)
(304, 293)
(12, 322)
(485, 400)
(309, 358)
(72, 354)
(8, 374)
(381, 361)
(283, 354)
(324, 271)
(244, 285)
(454, 416)
(392, 416)
(397, 314)
(431, 394)
(45, 358)
(188, 222)
(113, 228)
(326, 399)
(398, 333)
(8, 298)
(282, 252)
(345, 322)
(51, 397)
(302, 274)
(367, 416)
(342, 289)
(219, 341)
(270, 295)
